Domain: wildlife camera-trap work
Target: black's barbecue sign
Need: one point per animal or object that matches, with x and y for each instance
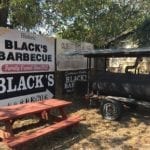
(26, 67)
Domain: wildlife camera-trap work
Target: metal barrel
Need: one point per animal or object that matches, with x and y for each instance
(136, 86)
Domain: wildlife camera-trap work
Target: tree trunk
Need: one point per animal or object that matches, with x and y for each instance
(4, 12)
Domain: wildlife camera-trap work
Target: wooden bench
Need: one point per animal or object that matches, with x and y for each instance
(9, 114)
(16, 141)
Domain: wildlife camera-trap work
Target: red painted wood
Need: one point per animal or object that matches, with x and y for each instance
(15, 141)
(15, 111)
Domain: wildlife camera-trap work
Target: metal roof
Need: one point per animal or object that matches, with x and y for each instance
(120, 52)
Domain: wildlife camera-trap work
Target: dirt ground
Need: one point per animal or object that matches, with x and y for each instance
(132, 132)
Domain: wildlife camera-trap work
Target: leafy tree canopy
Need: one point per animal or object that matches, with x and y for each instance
(95, 21)
(143, 33)
(20, 13)
(98, 21)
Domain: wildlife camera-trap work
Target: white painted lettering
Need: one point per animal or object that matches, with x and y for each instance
(50, 80)
(22, 84)
(30, 82)
(11, 88)
(39, 83)
(2, 85)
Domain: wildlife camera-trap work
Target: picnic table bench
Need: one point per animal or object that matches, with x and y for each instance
(42, 109)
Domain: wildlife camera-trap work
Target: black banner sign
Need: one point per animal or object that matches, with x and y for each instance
(14, 85)
(71, 77)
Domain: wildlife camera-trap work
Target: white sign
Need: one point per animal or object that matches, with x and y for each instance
(74, 62)
(26, 67)
(25, 52)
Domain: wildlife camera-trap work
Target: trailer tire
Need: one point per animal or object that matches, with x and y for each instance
(111, 110)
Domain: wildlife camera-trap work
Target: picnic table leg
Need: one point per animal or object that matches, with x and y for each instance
(42, 116)
(62, 112)
(64, 116)
(8, 128)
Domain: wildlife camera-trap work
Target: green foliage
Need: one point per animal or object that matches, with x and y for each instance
(98, 21)
(21, 13)
(143, 33)
(95, 21)
(25, 13)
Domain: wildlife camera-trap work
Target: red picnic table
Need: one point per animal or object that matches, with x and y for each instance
(42, 109)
